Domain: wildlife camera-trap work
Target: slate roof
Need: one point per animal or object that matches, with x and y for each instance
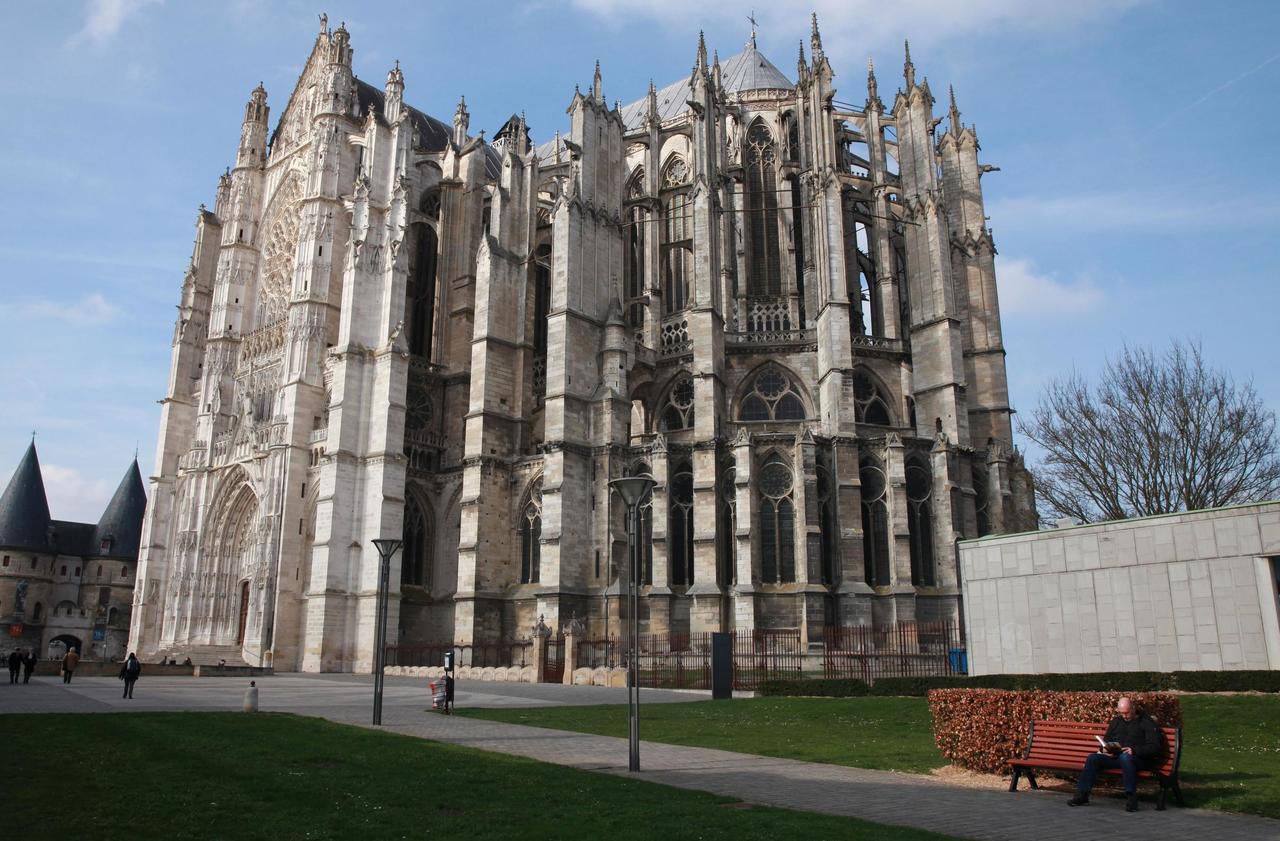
(122, 521)
(24, 508)
(432, 135)
(25, 521)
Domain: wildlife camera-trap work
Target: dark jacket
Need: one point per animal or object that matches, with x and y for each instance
(15, 661)
(1141, 734)
(130, 670)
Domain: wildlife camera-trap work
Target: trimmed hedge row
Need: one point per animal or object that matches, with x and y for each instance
(1224, 681)
(982, 729)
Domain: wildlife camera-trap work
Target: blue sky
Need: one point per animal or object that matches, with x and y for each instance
(1137, 199)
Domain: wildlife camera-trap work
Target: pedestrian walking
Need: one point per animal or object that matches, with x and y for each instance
(129, 673)
(28, 665)
(15, 663)
(69, 662)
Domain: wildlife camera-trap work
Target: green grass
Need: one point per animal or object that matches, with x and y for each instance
(889, 734)
(1230, 759)
(233, 776)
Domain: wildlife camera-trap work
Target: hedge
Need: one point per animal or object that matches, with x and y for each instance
(1224, 681)
(982, 729)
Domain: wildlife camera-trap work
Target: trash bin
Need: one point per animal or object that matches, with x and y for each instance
(958, 660)
(439, 695)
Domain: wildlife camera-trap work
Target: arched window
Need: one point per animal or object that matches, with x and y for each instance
(981, 501)
(677, 238)
(422, 293)
(678, 413)
(430, 205)
(869, 404)
(920, 521)
(111, 616)
(680, 524)
(865, 294)
(37, 613)
(772, 396)
(531, 534)
(727, 527)
(830, 552)
(643, 560)
(793, 137)
(875, 523)
(764, 274)
(637, 225)
(541, 297)
(777, 522)
(416, 556)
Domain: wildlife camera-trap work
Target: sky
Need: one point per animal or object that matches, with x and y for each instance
(1136, 200)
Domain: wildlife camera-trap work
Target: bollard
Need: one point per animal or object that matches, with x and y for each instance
(251, 697)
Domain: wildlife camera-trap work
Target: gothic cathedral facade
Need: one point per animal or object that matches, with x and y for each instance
(780, 305)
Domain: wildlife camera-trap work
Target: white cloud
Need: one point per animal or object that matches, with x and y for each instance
(104, 18)
(92, 309)
(1130, 212)
(73, 497)
(1026, 291)
(869, 23)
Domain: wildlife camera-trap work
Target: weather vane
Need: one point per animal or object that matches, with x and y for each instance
(752, 17)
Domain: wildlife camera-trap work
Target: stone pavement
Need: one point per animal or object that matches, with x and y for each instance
(884, 797)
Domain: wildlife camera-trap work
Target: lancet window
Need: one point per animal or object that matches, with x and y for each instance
(678, 413)
(541, 297)
(829, 533)
(869, 403)
(764, 273)
(416, 556)
(777, 522)
(642, 561)
(680, 524)
(422, 292)
(981, 503)
(727, 527)
(868, 320)
(636, 238)
(875, 522)
(531, 534)
(677, 238)
(920, 521)
(772, 396)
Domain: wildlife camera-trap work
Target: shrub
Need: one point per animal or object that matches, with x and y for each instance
(982, 729)
(1244, 680)
(1129, 682)
(814, 688)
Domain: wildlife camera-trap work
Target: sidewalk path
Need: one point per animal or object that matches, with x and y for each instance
(884, 797)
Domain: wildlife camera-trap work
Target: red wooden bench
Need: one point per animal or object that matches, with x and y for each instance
(1065, 745)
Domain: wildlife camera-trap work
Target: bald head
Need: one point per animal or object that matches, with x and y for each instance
(1125, 708)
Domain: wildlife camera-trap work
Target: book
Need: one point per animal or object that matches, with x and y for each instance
(1109, 747)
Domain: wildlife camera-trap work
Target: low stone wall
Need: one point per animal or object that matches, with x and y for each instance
(98, 668)
(233, 671)
(499, 674)
(600, 677)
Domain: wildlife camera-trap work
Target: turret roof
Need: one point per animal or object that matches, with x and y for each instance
(121, 523)
(24, 508)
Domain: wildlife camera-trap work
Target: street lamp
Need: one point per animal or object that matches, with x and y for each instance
(386, 547)
(633, 490)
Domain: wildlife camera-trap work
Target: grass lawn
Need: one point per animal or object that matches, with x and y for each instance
(235, 776)
(1230, 759)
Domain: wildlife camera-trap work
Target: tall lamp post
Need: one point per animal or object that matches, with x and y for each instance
(633, 490)
(386, 547)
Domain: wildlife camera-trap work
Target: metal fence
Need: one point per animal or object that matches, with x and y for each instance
(907, 649)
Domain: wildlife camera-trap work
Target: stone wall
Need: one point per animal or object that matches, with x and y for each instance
(1179, 592)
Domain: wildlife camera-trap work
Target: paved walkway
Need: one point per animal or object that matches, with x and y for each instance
(884, 797)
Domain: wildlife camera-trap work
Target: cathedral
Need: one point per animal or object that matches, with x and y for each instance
(780, 304)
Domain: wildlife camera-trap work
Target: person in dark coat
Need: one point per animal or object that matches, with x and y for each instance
(1140, 747)
(28, 665)
(129, 673)
(15, 663)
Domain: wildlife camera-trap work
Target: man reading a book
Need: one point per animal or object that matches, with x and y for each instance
(1132, 743)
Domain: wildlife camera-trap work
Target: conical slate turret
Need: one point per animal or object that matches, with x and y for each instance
(120, 528)
(24, 508)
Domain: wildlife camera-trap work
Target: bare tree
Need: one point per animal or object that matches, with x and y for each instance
(1158, 434)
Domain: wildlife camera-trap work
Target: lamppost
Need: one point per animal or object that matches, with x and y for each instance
(633, 490)
(386, 546)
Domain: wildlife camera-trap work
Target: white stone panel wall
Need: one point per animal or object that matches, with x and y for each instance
(1181, 592)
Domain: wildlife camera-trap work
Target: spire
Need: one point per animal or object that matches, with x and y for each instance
(461, 119)
(119, 530)
(393, 97)
(24, 508)
(255, 110)
(955, 112)
(752, 17)
(701, 63)
(800, 63)
(873, 89)
(651, 103)
(909, 69)
(715, 68)
(815, 38)
(597, 85)
(340, 46)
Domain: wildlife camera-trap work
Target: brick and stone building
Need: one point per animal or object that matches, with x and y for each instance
(780, 304)
(63, 584)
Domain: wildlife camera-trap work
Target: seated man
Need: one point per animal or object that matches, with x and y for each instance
(1140, 747)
